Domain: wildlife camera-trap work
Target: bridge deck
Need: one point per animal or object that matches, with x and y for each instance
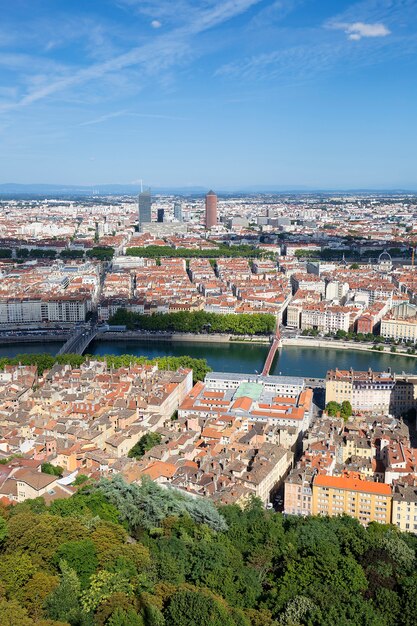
(78, 341)
(276, 343)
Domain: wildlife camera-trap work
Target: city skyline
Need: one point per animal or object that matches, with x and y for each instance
(297, 94)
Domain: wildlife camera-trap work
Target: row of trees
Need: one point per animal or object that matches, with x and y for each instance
(343, 335)
(46, 361)
(139, 555)
(222, 251)
(99, 252)
(197, 322)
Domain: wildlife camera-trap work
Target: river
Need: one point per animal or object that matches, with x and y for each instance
(13, 349)
(308, 362)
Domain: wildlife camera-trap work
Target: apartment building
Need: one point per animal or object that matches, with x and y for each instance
(298, 493)
(325, 317)
(403, 329)
(380, 392)
(364, 500)
(404, 506)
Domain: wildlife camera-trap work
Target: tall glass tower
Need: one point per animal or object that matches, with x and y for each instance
(144, 208)
(178, 211)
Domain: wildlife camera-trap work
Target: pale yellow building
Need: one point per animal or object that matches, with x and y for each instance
(405, 328)
(355, 445)
(366, 391)
(365, 500)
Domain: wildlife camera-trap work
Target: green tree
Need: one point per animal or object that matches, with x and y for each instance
(102, 586)
(35, 592)
(54, 470)
(81, 479)
(194, 607)
(15, 570)
(333, 408)
(103, 253)
(12, 614)
(81, 557)
(128, 617)
(64, 601)
(3, 530)
(346, 409)
(147, 504)
(341, 334)
(145, 443)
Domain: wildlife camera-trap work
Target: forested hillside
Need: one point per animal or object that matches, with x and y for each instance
(128, 555)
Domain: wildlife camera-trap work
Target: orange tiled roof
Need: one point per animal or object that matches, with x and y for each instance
(352, 484)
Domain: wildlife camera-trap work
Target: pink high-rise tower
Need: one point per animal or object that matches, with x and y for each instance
(211, 209)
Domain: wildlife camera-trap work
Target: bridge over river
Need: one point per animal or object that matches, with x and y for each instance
(276, 343)
(79, 340)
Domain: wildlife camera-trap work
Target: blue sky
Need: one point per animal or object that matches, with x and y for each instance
(219, 93)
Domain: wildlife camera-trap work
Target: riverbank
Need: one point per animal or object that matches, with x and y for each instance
(131, 335)
(335, 344)
(6, 340)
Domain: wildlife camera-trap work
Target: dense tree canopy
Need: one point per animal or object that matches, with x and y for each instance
(46, 361)
(197, 322)
(139, 555)
(102, 253)
(222, 250)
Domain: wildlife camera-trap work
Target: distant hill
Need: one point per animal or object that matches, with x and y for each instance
(24, 191)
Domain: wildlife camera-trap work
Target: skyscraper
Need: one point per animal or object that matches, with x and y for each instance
(144, 208)
(160, 215)
(178, 211)
(211, 209)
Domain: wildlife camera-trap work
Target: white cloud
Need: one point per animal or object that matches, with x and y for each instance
(357, 30)
(156, 24)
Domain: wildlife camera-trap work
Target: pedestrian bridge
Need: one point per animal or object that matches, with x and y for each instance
(275, 345)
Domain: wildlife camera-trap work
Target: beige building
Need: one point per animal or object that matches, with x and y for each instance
(400, 328)
(366, 391)
(326, 318)
(365, 500)
(401, 323)
(268, 471)
(32, 484)
(380, 392)
(404, 507)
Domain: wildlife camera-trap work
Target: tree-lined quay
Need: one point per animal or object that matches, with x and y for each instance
(218, 251)
(198, 322)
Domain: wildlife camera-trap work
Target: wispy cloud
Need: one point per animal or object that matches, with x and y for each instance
(294, 63)
(124, 113)
(318, 50)
(157, 55)
(103, 118)
(357, 30)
